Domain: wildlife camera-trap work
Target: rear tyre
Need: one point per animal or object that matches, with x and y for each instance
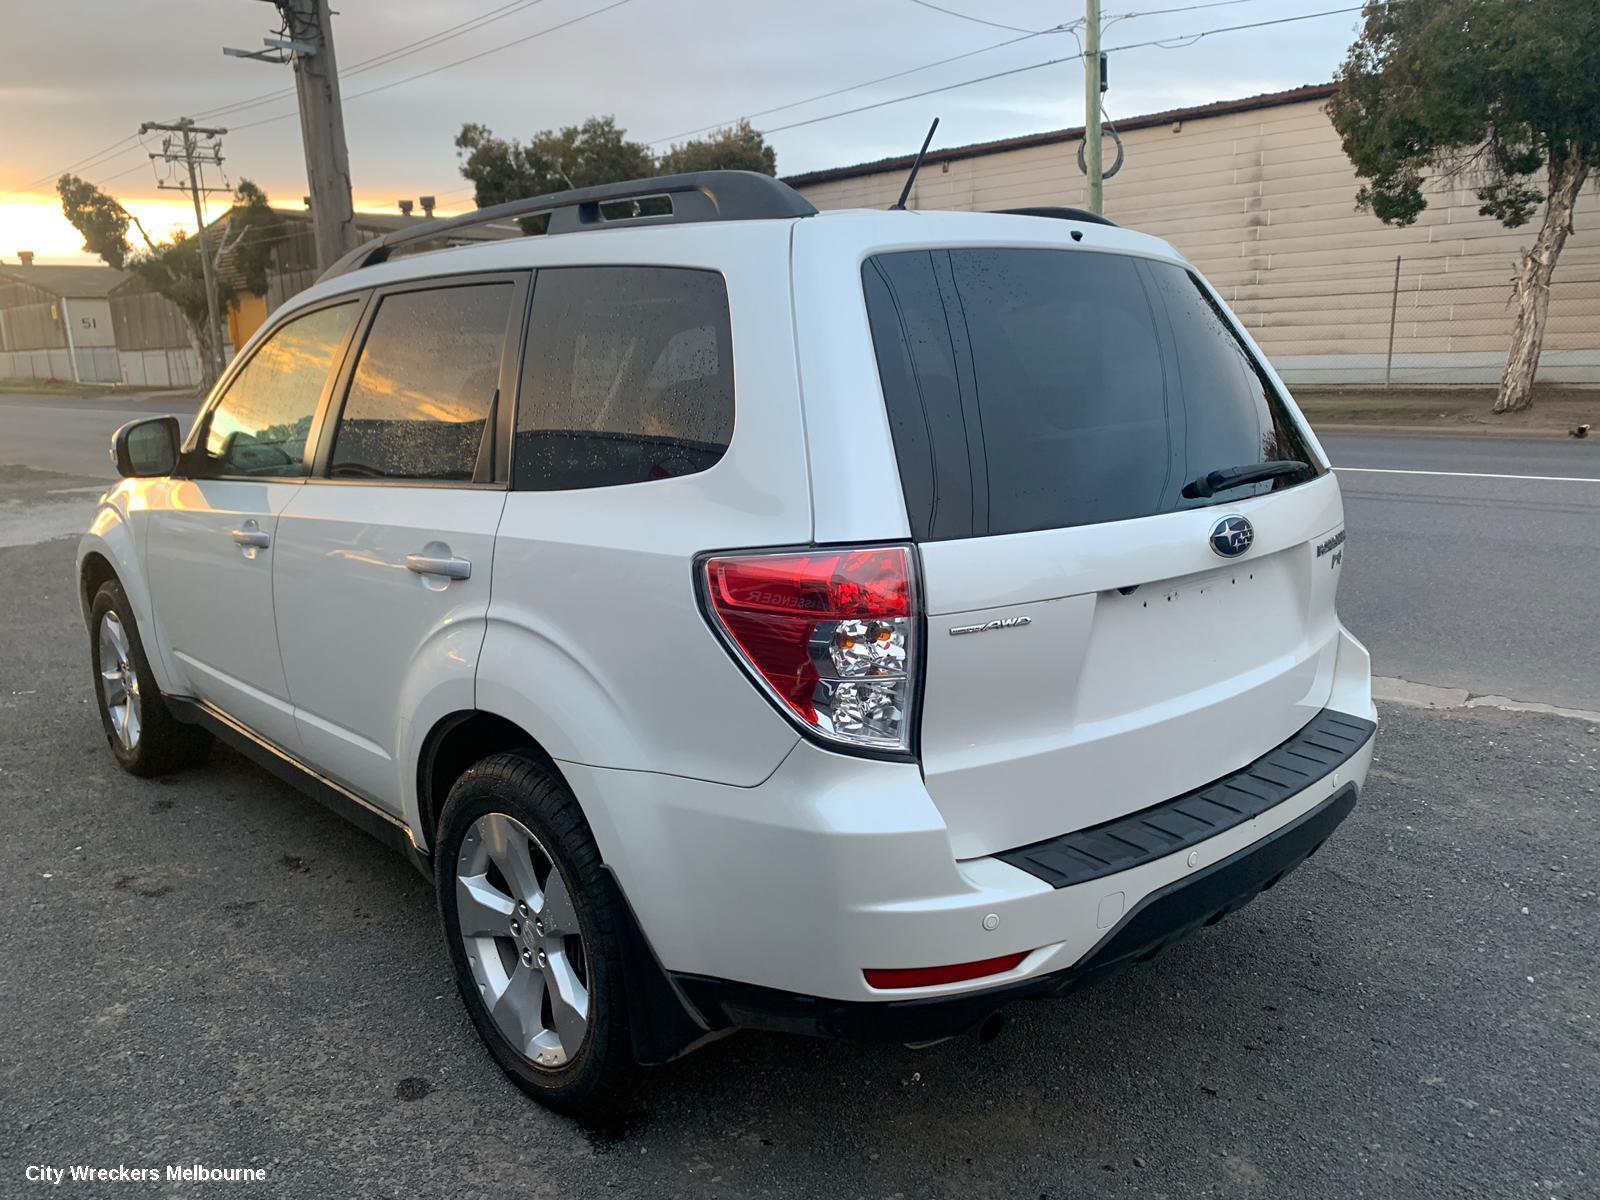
(142, 732)
(534, 937)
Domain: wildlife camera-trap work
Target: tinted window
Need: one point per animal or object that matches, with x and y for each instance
(1079, 387)
(628, 377)
(424, 386)
(260, 425)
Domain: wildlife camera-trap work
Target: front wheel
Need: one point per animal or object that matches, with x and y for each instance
(534, 938)
(142, 732)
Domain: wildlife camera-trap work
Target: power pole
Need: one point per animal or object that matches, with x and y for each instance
(306, 40)
(1091, 106)
(193, 146)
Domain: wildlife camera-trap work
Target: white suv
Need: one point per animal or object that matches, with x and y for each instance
(834, 623)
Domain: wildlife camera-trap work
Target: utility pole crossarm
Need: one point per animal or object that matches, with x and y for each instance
(193, 147)
(182, 126)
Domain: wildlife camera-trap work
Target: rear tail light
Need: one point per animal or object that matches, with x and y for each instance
(831, 634)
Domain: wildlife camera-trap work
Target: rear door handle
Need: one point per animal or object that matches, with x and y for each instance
(429, 564)
(251, 536)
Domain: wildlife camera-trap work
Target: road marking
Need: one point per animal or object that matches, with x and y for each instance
(1472, 475)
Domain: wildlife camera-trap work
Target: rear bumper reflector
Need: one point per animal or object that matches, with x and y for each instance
(914, 977)
(1329, 741)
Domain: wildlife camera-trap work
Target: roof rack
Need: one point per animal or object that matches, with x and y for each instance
(1059, 214)
(696, 197)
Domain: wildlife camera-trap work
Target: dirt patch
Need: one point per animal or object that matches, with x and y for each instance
(26, 483)
(1452, 410)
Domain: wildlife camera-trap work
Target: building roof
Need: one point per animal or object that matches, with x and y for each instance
(366, 222)
(1218, 108)
(72, 282)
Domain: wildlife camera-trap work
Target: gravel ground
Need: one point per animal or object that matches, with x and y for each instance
(210, 968)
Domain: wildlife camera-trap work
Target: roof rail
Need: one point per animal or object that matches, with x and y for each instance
(1060, 214)
(696, 196)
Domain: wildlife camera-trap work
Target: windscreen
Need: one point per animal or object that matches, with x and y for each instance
(1040, 389)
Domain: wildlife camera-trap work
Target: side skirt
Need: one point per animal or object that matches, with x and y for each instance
(358, 811)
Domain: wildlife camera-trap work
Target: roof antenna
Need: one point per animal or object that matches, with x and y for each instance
(905, 192)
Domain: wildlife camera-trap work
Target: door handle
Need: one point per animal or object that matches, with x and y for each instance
(429, 564)
(257, 539)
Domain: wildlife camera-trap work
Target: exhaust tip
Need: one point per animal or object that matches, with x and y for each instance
(990, 1028)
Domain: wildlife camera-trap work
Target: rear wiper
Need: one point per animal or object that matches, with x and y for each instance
(1228, 477)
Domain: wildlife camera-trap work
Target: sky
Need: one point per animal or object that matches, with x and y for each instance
(78, 75)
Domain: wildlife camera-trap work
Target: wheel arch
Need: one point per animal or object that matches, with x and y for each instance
(109, 551)
(94, 572)
(453, 744)
(663, 1023)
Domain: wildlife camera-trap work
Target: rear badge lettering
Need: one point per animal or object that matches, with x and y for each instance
(1331, 544)
(987, 626)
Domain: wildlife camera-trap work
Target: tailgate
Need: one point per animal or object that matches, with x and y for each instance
(1084, 438)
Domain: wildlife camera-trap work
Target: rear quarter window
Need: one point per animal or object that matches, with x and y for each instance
(1040, 389)
(627, 377)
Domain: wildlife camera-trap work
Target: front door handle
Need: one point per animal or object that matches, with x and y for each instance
(430, 564)
(252, 536)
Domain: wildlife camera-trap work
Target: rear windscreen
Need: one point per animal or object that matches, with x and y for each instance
(1038, 389)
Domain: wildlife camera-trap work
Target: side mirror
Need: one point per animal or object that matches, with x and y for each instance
(142, 449)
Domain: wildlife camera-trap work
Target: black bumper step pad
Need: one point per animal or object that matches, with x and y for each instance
(1329, 741)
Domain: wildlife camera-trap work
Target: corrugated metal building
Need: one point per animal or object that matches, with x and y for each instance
(1259, 194)
(153, 343)
(55, 322)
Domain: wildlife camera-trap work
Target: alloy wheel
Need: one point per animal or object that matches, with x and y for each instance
(119, 682)
(520, 929)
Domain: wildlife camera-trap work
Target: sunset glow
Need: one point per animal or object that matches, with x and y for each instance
(34, 221)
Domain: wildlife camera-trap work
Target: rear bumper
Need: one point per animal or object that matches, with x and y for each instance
(763, 906)
(1163, 917)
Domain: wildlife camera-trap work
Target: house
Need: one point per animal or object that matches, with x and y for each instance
(55, 322)
(1259, 195)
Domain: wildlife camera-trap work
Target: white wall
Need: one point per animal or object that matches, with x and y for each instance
(1263, 202)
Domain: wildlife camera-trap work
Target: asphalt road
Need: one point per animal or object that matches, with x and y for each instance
(1459, 577)
(211, 968)
(73, 436)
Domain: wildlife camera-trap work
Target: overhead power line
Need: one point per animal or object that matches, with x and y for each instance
(855, 86)
(1164, 43)
(950, 12)
(138, 166)
(383, 87)
(88, 160)
(1068, 27)
(124, 145)
(1182, 8)
(438, 38)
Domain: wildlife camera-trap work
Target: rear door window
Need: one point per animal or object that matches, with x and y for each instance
(424, 386)
(627, 377)
(1038, 389)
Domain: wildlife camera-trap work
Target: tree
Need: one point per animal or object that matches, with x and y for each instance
(173, 268)
(577, 156)
(100, 219)
(736, 148)
(1496, 92)
(593, 153)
